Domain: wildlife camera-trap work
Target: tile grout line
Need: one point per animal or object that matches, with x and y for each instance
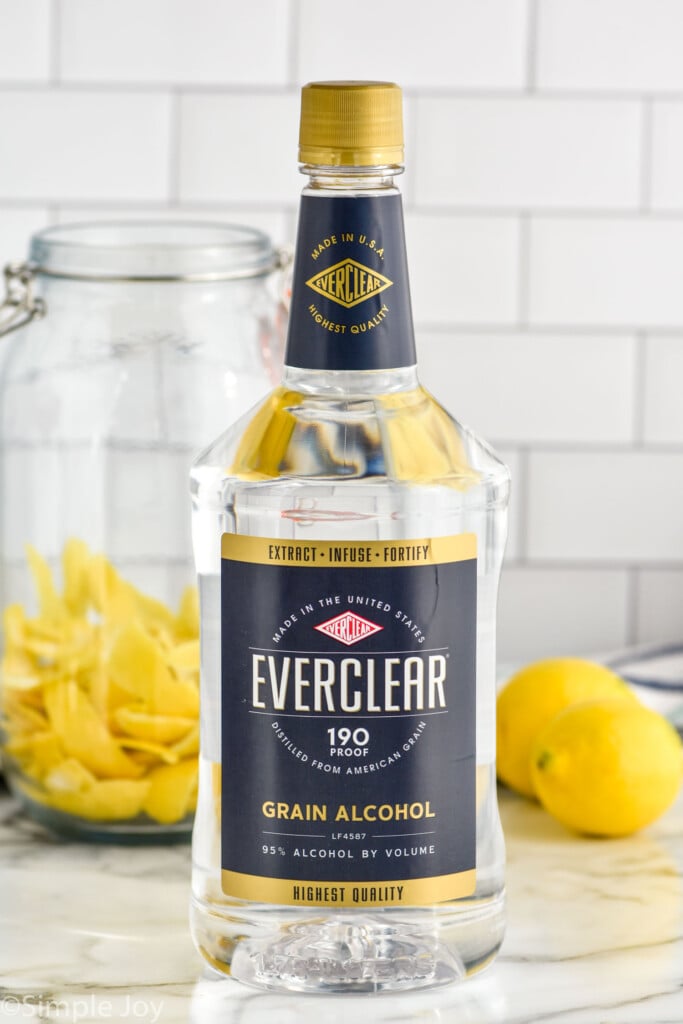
(475, 213)
(137, 87)
(237, 88)
(568, 329)
(586, 448)
(174, 147)
(505, 328)
(523, 270)
(646, 155)
(632, 604)
(542, 564)
(523, 506)
(483, 211)
(411, 149)
(55, 63)
(639, 391)
(152, 204)
(531, 47)
(294, 23)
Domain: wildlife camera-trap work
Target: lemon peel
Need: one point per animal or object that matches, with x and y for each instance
(100, 691)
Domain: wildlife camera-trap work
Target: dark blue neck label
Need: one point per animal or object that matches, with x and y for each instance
(350, 297)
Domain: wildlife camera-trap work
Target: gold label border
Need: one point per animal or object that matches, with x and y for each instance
(416, 892)
(375, 553)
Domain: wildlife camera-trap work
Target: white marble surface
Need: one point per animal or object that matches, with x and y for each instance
(595, 936)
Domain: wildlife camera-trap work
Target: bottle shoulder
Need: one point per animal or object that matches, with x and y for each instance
(404, 437)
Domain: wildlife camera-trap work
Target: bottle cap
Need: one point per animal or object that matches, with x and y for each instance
(351, 124)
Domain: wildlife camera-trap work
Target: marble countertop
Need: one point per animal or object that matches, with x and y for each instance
(95, 933)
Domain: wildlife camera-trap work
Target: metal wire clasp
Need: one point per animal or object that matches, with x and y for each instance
(20, 304)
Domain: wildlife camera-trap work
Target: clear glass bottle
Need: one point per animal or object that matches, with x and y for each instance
(352, 461)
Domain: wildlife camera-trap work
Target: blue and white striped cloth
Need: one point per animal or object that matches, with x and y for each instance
(655, 673)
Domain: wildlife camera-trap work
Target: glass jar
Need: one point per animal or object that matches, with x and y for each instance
(138, 342)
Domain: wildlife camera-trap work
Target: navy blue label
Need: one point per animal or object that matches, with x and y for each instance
(348, 720)
(350, 306)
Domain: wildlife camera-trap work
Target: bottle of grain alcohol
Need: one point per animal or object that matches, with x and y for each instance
(348, 537)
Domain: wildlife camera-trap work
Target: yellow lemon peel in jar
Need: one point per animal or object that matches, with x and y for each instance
(100, 694)
(187, 620)
(185, 657)
(83, 735)
(157, 728)
(188, 746)
(173, 789)
(108, 800)
(137, 664)
(111, 800)
(69, 776)
(14, 624)
(106, 696)
(19, 673)
(51, 606)
(19, 717)
(42, 750)
(151, 752)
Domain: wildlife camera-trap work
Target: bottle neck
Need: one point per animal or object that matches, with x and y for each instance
(350, 311)
(350, 180)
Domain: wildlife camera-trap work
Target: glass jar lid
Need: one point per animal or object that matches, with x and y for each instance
(147, 250)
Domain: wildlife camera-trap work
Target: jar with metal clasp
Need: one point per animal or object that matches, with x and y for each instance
(127, 347)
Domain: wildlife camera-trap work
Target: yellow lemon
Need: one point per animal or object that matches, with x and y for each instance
(606, 767)
(533, 697)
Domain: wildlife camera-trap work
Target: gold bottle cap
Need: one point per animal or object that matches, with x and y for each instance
(351, 124)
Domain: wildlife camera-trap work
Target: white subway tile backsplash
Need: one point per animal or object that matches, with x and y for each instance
(663, 408)
(25, 34)
(181, 41)
(460, 43)
(77, 145)
(240, 148)
(17, 224)
(624, 45)
(546, 613)
(667, 156)
(530, 388)
(606, 506)
(530, 152)
(463, 269)
(612, 272)
(544, 141)
(660, 606)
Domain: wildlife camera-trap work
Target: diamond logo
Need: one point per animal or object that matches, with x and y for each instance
(348, 283)
(348, 628)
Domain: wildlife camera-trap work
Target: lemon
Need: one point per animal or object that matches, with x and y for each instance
(606, 767)
(533, 697)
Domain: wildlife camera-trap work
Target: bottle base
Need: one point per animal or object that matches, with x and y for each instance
(382, 952)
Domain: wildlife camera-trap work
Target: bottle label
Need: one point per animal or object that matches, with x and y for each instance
(350, 306)
(348, 720)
